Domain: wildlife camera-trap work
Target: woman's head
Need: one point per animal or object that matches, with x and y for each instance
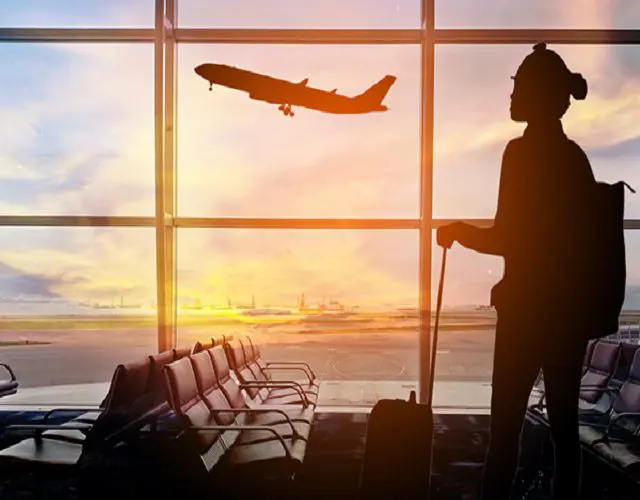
(543, 85)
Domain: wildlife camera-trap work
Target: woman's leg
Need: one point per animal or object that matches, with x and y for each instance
(562, 369)
(515, 366)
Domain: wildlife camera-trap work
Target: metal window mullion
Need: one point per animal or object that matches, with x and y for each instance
(289, 223)
(426, 194)
(75, 221)
(629, 224)
(77, 35)
(556, 36)
(298, 36)
(170, 167)
(164, 339)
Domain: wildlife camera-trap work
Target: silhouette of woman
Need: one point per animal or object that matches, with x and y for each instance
(539, 172)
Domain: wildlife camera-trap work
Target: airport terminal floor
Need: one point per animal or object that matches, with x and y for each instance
(332, 467)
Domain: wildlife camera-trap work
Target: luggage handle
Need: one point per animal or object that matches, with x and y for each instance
(434, 343)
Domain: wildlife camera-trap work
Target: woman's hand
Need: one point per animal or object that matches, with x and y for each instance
(447, 235)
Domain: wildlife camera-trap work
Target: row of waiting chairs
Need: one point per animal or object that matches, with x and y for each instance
(609, 405)
(217, 406)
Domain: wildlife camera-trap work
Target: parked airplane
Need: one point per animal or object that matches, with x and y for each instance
(285, 94)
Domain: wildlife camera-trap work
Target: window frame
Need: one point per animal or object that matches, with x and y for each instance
(165, 38)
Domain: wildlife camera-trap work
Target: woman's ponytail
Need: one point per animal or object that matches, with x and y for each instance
(577, 86)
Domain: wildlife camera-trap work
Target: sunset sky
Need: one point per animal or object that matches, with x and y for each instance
(78, 140)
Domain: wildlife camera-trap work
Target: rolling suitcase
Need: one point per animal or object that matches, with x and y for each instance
(399, 437)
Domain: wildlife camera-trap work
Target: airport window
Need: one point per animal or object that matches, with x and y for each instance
(464, 354)
(240, 209)
(376, 14)
(461, 85)
(78, 134)
(536, 14)
(313, 164)
(343, 301)
(75, 302)
(77, 14)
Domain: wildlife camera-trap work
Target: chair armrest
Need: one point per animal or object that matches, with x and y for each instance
(592, 388)
(288, 383)
(292, 363)
(291, 368)
(11, 373)
(277, 385)
(296, 435)
(60, 410)
(39, 428)
(243, 428)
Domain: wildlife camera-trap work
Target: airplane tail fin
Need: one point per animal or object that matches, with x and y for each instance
(377, 92)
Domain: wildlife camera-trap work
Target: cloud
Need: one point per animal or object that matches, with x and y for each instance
(79, 140)
(294, 14)
(15, 284)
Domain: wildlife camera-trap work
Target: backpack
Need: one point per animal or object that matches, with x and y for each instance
(600, 264)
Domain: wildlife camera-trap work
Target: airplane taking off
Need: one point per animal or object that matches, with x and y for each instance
(285, 94)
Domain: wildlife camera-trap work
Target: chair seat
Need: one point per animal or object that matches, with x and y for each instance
(284, 429)
(265, 451)
(295, 414)
(589, 434)
(50, 451)
(8, 387)
(624, 454)
(72, 435)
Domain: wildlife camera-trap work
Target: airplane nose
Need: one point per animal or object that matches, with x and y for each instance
(199, 69)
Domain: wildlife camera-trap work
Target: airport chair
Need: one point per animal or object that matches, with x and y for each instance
(155, 384)
(623, 414)
(265, 391)
(219, 453)
(613, 438)
(202, 346)
(8, 386)
(224, 413)
(601, 369)
(268, 366)
(596, 378)
(538, 385)
(233, 391)
(127, 409)
(588, 355)
(181, 352)
(261, 374)
(220, 340)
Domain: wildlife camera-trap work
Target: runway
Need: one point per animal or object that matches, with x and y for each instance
(86, 356)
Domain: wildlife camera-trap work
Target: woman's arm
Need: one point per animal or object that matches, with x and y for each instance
(491, 240)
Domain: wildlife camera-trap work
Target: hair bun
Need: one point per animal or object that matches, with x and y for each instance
(540, 46)
(578, 86)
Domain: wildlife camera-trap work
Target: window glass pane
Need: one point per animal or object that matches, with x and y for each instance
(296, 14)
(242, 157)
(77, 13)
(77, 129)
(467, 333)
(464, 354)
(342, 301)
(472, 124)
(76, 302)
(582, 14)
